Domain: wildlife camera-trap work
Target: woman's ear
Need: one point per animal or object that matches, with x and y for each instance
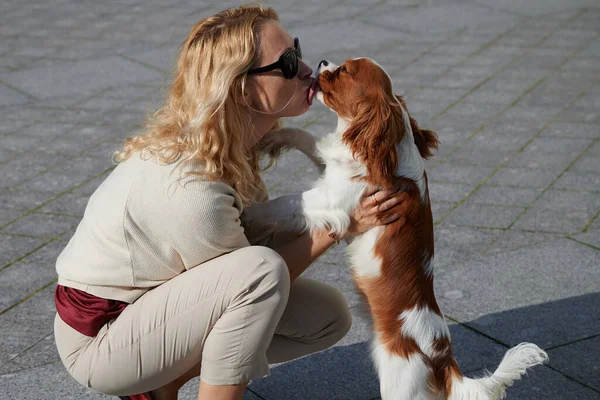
(425, 140)
(373, 136)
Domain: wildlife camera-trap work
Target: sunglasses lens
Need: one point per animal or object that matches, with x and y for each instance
(290, 64)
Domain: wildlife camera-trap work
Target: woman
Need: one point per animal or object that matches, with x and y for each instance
(160, 283)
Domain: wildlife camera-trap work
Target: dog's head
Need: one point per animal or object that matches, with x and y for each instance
(360, 92)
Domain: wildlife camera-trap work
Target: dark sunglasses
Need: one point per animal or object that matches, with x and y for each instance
(287, 63)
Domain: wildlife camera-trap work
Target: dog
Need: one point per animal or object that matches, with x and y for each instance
(378, 141)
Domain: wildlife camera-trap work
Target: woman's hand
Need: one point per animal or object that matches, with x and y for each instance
(377, 207)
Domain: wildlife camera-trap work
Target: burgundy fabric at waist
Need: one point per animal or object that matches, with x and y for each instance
(85, 312)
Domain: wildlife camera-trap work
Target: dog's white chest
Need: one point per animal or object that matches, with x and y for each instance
(364, 261)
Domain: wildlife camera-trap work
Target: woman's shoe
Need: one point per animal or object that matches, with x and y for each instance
(142, 396)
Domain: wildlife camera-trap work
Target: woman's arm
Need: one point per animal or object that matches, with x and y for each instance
(300, 253)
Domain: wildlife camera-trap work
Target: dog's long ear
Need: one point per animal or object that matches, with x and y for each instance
(426, 140)
(373, 136)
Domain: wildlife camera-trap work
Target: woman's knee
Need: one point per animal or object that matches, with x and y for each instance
(268, 273)
(339, 312)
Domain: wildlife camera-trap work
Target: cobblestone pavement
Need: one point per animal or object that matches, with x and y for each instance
(512, 88)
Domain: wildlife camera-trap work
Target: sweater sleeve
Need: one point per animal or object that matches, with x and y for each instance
(203, 221)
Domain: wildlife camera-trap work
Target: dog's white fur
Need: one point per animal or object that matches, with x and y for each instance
(328, 206)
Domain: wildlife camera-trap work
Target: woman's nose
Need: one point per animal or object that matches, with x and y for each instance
(304, 71)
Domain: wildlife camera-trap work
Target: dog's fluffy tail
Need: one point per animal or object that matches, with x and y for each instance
(492, 387)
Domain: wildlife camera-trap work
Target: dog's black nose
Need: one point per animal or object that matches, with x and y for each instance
(323, 63)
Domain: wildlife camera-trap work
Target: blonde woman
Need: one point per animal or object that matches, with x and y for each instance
(160, 283)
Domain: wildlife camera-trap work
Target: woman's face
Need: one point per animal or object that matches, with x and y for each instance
(270, 92)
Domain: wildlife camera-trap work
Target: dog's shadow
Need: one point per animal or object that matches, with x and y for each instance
(346, 372)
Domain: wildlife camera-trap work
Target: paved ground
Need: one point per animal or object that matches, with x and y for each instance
(512, 88)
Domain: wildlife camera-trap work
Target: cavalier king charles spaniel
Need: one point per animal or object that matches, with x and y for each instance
(378, 141)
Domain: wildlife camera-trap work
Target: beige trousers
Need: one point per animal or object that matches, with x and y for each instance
(234, 314)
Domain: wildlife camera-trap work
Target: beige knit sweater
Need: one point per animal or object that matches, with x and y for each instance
(142, 227)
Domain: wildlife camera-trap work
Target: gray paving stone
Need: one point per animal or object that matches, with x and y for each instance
(578, 181)
(472, 154)
(459, 243)
(579, 360)
(595, 225)
(486, 58)
(433, 94)
(569, 200)
(558, 162)
(11, 126)
(458, 81)
(588, 100)
(580, 114)
(22, 279)
(528, 294)
(10, 96)
(480, 215)
(335, 275)
(42, 225)
(501, 127)
(504, 196)
(523, 177)
(566, 129)
(27, 384)
(450, 192)
(14, 247)
(591, 237)
(10, 215)
(482, 111)
(547, 95)
(442, 18)
(549, 145)
(590, 162)
(458, 173)
(501, 98)
(508, 84)
(90, 187)
(26, 324)
(45, 255)
(79, 76)
(42, 353)
(490, 140)
(47, 131)
(351, 33)
(55, 181)
(533, 8)
(13, 145)
(553, 220)
(68, 145)
(69, 203)
(513, 239)
(533, 117)
(439, 209)
(21, 168)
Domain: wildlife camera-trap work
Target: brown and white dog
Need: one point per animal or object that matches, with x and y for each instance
(392, 265)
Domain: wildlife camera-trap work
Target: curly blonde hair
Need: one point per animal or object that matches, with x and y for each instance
(201, 119)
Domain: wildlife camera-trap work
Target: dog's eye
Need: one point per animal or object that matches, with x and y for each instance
(343, 69)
